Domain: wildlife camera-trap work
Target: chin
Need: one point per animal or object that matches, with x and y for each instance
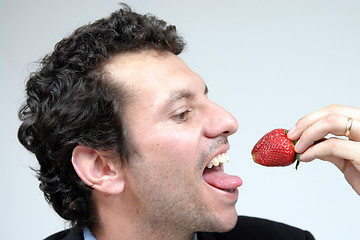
(225, 223)
(228, 224)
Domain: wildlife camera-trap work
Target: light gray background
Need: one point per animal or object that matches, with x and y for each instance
(267, 61)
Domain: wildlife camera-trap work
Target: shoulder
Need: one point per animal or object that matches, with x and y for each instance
(251, 227)
(257, 228)
(69, 234)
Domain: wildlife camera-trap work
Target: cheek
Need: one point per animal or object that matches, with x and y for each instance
(171, 146)
(171, 160)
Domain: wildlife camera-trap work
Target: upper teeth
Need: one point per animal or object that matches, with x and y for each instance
(221, 158)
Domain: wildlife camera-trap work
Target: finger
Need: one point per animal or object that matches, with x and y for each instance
(352, 175)
(333, 123)
(337, 151)
(310, 119)
(355, 130)
(334, 150)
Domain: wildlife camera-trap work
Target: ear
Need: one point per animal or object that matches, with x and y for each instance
(97, 170)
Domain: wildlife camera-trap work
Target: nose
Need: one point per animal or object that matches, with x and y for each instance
(220, 122)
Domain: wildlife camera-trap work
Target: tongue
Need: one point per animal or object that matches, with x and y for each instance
(217, 178)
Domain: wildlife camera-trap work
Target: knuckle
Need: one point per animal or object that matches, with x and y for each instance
(332, 118)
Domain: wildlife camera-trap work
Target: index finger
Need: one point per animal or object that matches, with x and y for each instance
(310, 119)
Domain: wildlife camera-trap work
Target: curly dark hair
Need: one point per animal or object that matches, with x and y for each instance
(70, 101)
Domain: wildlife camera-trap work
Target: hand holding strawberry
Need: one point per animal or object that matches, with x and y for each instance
(275, 149)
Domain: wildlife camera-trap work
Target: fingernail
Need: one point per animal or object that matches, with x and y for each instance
(291, 131)
(303, 158)
(297, 145)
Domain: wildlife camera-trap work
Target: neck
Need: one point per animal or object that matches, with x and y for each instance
(129, 221)
(140, 234)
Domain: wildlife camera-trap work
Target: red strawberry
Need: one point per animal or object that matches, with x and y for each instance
(275, 149)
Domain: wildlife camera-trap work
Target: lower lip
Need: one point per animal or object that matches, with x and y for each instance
(229, 194)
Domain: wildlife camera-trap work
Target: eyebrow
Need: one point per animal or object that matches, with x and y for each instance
(177, 95)
(180, 94)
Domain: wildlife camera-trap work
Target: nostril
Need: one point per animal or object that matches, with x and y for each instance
(226, 132)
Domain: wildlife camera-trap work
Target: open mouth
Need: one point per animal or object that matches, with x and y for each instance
(215, 176)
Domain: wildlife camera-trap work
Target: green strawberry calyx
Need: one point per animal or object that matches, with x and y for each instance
(297, 155)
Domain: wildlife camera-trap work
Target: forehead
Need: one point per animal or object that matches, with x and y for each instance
(152, 76)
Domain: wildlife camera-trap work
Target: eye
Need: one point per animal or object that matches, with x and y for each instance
(181, 114)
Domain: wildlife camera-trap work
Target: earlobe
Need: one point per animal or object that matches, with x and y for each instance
(97, 170)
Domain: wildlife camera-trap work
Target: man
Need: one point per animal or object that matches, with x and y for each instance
(128, 143)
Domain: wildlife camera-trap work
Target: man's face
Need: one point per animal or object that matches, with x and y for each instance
(176, 131)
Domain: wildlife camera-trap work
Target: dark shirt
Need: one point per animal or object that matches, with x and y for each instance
(247, 228)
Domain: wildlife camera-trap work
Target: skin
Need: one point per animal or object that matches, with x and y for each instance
(176, 130)
(342, 152)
